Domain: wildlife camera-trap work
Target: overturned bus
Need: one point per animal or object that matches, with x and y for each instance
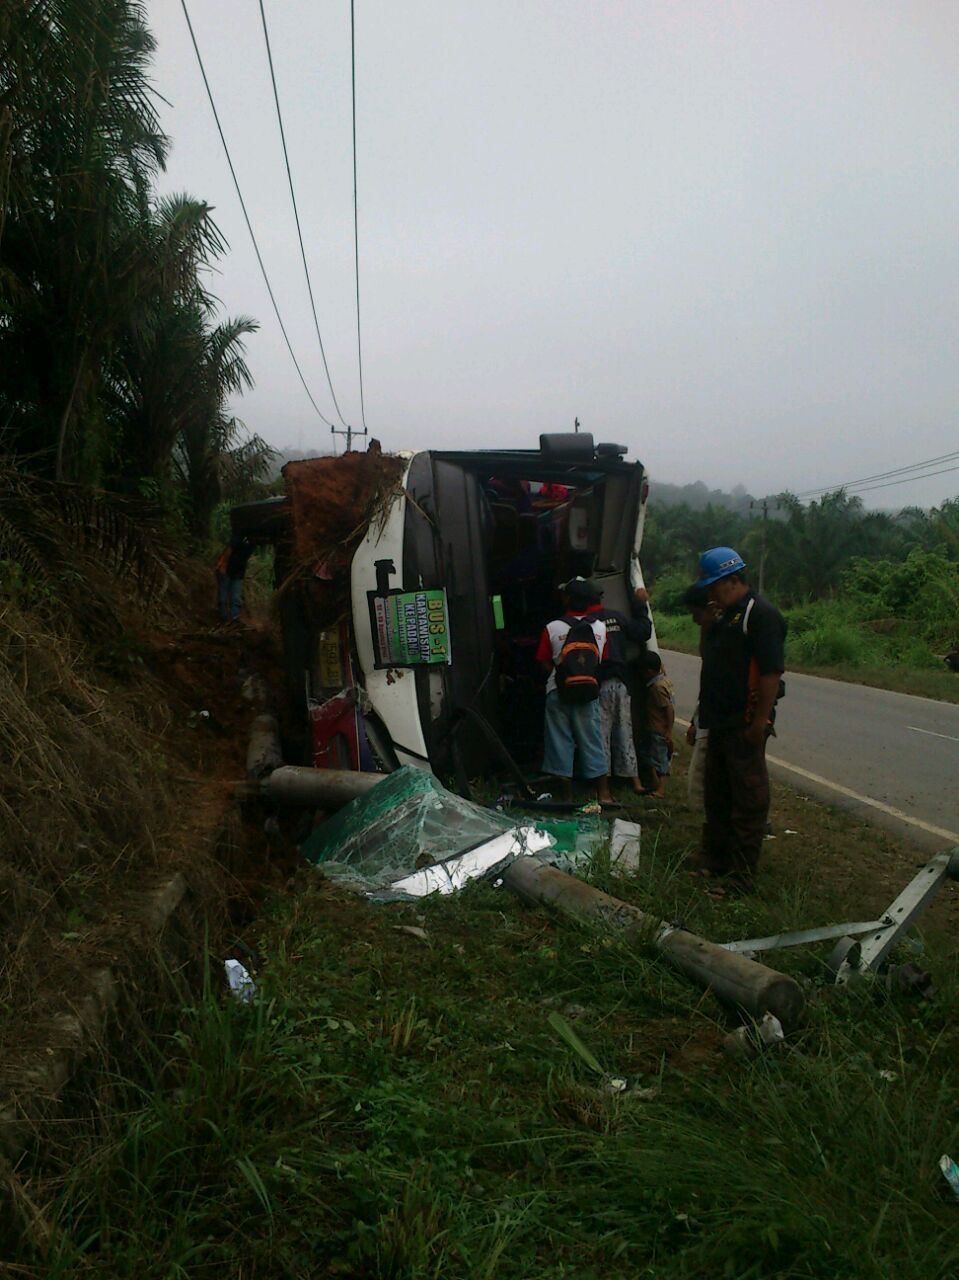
(413, 591)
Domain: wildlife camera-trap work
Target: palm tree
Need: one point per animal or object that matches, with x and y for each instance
(111, 366)
(213, 458)
(81, 146)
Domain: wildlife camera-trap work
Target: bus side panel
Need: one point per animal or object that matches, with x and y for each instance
(447, 535)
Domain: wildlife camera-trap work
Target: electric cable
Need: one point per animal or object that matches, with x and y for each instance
(246, 217)
(926, 475)
(881, 475)
(356, 238)
(296, 213)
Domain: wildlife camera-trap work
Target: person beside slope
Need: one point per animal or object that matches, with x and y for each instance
(230, 571)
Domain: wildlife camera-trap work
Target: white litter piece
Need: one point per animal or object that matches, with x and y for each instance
(413, 930)
(451, 875)
(888, 1075)
(624, 846)
(787, 832)
(771, 1029)
(950, 1171)
(241, 984)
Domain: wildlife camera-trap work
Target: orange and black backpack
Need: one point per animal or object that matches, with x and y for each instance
(577, 671)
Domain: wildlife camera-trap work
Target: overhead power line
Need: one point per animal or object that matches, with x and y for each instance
(296, 213)
(926, 475)
(356, 237)
(246, 216)
(881, 475)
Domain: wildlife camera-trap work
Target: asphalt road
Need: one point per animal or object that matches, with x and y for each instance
(890, 757)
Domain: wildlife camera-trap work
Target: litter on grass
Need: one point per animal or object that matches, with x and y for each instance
(747, 1040)
(950, 1171)
(624, 846)
(242, 986)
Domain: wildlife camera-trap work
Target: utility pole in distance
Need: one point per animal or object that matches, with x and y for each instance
(764, 506)
(349, 433)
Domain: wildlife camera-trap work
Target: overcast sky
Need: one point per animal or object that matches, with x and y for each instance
(724, 234)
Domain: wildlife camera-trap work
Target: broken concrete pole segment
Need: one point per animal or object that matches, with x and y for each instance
(297, 785)
(255, 689)
(736, 981)
(263, 754)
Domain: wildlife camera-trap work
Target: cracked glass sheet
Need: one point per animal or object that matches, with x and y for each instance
(410, 836)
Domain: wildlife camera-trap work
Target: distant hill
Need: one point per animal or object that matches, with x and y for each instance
(698, 496)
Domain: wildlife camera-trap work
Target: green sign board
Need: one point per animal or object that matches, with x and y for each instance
(411, 628)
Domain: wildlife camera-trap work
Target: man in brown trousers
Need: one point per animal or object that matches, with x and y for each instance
(743, 663)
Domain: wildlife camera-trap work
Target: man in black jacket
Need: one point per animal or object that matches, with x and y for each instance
(743, 663)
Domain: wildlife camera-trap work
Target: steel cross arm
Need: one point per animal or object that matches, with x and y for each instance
(800, 937)
(910, 904)
(880, 935)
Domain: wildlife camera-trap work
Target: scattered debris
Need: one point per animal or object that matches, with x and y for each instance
(748, 1040)
(739, 1043)
(408, 836)
(413, 930)
(889, 1076)
(240, 982)
(624, 1087)
(624, 846)
(771, 1029)
(950, 1171)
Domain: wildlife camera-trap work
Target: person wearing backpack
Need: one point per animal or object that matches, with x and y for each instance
(570, 652)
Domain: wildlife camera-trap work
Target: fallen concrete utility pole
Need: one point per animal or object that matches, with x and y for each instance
(298, 786)
(263, 755)
(734, 979)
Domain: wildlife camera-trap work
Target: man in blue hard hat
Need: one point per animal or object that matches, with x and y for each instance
(743, 663)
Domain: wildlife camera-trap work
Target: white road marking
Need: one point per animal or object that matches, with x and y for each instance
(948, 736)
(860, 799)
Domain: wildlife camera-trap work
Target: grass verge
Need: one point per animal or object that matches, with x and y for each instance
(396, 1103)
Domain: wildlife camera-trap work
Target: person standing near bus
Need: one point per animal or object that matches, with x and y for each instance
(743, 663)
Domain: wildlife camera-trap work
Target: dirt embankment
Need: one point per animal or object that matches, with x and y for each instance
(119, 751)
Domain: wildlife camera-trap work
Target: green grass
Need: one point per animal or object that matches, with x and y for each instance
(826, 640)
(398, 1108)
